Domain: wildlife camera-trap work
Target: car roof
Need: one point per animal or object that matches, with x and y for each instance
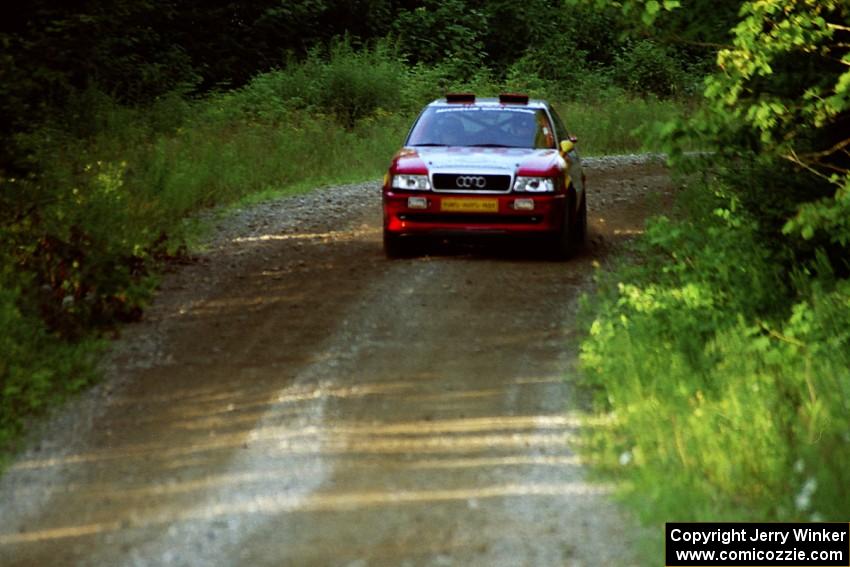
(491, 102)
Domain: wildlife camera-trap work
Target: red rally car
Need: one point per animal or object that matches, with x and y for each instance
(486, 166)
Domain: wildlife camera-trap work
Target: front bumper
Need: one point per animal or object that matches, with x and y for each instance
(502, 216)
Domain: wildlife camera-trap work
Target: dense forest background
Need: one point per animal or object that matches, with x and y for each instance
(719, 347)
(137, 52)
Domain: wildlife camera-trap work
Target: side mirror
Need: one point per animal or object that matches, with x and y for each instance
(567, 146)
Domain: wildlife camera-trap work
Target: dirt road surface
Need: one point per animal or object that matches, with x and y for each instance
(293, 398)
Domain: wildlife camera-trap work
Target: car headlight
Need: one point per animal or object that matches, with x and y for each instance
(534, 184)
(411, 182)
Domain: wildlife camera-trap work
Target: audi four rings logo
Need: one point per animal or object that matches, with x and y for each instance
(466, 181)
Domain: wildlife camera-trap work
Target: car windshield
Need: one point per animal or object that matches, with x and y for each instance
(482, 126)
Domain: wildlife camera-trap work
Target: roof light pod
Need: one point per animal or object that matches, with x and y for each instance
(462, 98)
(513, 98)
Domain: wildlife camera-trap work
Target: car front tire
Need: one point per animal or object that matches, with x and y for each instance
(569, 239)
(581, 223)
(395, 246)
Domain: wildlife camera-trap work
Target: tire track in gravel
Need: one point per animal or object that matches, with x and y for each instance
(293, 398)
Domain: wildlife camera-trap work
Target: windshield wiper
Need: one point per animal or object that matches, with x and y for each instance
(428, 144)
(492, 146)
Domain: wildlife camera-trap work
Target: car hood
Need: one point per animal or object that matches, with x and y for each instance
(478, 160)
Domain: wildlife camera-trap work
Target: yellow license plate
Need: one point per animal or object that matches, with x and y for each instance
(469, 205)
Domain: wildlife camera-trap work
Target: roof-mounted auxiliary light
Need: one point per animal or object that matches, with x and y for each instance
(513, 98)
(462, 98)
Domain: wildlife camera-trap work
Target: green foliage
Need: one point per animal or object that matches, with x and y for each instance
(596, 31)
(725, 406)
(648, 68)
(699, 26)
(614, 122)
(721, 350)
(443, 31)
(828, 218)
(555, 66)
(356, 84)
(32, 365)
(780, 97)
(582, 48)
(517, 28)
(347, 83)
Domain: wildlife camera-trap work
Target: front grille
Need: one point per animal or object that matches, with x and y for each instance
(471, 219)
(469, 182)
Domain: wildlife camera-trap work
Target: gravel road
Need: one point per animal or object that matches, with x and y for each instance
(293, 398)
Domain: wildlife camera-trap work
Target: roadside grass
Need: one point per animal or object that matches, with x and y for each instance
(32, 365)
(236, 164)
(617, 123)
(726, 379)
